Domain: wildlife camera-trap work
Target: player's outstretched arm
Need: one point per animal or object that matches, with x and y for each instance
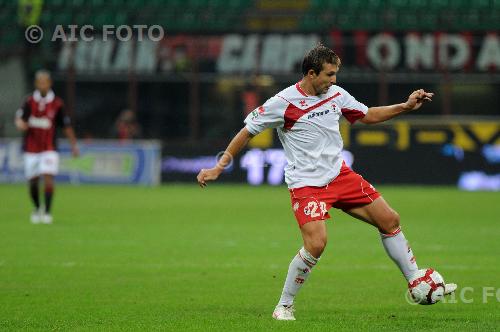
(235, 146)
(384, 113)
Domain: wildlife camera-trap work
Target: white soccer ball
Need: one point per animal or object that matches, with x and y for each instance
(426, 286)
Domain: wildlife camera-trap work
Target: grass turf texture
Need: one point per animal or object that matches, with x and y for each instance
(181, 258)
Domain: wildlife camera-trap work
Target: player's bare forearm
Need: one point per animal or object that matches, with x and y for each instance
(383, 113)
(70, 134)
(21, 125)
(235, 146)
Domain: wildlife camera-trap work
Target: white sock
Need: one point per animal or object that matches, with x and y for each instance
(298, 271)
(399, 250)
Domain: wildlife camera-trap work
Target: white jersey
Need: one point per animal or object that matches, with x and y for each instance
(308, 128)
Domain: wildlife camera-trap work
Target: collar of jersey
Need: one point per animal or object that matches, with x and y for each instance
(299, 89)
(305, 95)
(47, 99)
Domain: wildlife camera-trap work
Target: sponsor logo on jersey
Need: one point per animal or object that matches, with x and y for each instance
(41, 123)
(335, 108)
(258, 111)
(316, 114)
(303, 103)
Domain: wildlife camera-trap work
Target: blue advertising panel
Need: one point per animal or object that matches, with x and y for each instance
(106, 161)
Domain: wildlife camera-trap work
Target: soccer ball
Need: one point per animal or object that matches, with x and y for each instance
(426, 286)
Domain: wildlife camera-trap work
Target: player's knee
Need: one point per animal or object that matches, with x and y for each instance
(391, 223)
(395, 220)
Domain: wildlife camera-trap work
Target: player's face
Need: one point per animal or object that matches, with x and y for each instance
(326, 78)
(43, 84)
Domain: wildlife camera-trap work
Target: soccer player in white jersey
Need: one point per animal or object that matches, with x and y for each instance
(306, 116)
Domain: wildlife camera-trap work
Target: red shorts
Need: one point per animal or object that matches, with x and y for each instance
(348, 190)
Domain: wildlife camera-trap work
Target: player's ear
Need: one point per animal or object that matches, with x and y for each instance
(311, 73)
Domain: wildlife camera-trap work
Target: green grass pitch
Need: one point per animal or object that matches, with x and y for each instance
(179, 258)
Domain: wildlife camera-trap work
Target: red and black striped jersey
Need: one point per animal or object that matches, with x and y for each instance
(43, 115)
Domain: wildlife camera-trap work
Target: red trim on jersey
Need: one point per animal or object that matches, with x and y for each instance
(297, 85)
(293, 113)
(352, 115)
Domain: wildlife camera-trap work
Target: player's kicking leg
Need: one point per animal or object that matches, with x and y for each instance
(315, 236)
(381, 215)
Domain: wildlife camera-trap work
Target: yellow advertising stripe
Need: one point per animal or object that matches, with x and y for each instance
(431, 137)
(371, 137)
(345, 132)
(461, 139)
(485, 131)
(263, 140)
(403, 129)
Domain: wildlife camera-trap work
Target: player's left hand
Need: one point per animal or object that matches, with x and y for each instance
(417, 98)
(208, 175)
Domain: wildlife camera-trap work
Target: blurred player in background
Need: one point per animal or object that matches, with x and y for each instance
(39, 117)
(126, 126)
(306, 116)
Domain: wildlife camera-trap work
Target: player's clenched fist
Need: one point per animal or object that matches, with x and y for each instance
(417, 98)
(208, 175)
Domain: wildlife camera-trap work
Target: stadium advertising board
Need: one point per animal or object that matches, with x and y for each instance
(465, 154)
(108, 162)
(281, 53)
